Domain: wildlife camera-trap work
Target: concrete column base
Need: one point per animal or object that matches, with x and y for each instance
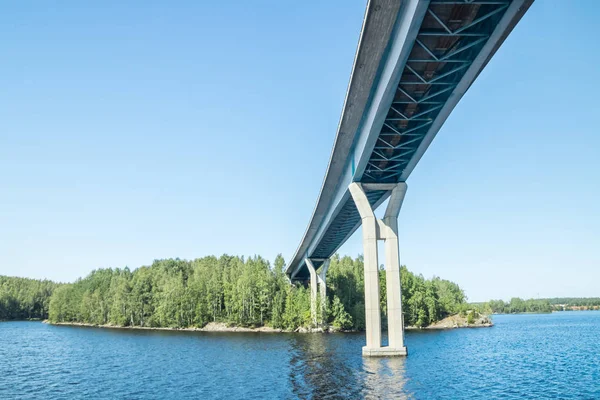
(384, 351)
(313, 290)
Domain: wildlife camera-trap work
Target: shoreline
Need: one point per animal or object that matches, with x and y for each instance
(456, 322)
(210, 327)
(527, 312)
(435, 327)
(23, 319)
(452, 322)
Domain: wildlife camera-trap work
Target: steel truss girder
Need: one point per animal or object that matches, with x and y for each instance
(394, 158)
(390, 168)
(469, 2)
(435, 86)
(415, 117)
(411, 130)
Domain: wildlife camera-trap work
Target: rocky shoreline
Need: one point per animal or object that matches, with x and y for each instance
(451, 322)
(457, 321)
(210, 327)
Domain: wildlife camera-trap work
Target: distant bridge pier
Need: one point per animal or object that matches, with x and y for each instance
(318, 286)
(373, 230)
(321, 277)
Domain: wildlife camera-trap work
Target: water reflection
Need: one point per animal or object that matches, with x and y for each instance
(524, 356)
(331, 367)
(320, 370)
(384, 378)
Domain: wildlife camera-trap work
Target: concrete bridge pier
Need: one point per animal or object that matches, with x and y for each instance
(387, 230)
(321, 277)
(317, 287)
(313, 290)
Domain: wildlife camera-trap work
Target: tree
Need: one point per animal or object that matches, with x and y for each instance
(22, 298)
(341, 319)
(236, 290)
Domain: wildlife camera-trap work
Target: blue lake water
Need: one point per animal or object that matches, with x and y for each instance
(522, 357)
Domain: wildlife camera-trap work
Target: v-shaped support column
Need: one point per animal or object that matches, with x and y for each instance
(392, 269)
(387, 230)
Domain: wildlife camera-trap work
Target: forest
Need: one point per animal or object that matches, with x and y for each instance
(22, 298)
(239, 291)
(575, 301)
(242, 292)
(518, 305)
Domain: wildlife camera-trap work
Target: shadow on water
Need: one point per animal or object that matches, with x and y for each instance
(319, 370)
(385, 378)
(331, 367)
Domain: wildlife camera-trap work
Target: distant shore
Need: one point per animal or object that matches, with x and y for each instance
(527, 312)
(22, 319)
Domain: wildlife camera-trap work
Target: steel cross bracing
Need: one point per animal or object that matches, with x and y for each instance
(343, 225)
(409, 73)
(452, 34)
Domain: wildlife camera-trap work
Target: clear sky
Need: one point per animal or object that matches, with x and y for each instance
(131, 132)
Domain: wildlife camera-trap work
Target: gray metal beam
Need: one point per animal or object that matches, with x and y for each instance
(378, 25)
(513, 14)
(390, 30)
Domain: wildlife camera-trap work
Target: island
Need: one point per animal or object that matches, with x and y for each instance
(238, 294)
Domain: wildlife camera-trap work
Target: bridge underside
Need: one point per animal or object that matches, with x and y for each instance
(444, 46)
(342, 227)
(451, 36)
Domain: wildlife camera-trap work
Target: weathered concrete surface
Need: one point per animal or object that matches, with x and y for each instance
(378, 25)
(392, 269)
(313, 290)
(384, 352)
(387, 230)
(371, 266)
(322, 278)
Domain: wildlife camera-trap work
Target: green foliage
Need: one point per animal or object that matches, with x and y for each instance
(358, 316)
(575, 301)
(244, 292)
(517, 305)
(345, 280)
(424, 300)
(297, 308)
(341, 319)
(22, 298)
(450, 295)
(178, 293)
(428, 300)
(237, 291)
(471, 317)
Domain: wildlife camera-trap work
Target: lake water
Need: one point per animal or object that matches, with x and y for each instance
(521, 357)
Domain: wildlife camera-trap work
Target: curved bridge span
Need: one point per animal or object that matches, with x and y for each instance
(415, 60)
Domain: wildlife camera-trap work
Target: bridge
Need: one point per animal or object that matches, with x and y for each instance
(415, 60)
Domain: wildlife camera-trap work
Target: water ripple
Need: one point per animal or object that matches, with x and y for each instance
(523, 357)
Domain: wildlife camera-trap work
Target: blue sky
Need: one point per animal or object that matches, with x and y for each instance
(130, 132)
